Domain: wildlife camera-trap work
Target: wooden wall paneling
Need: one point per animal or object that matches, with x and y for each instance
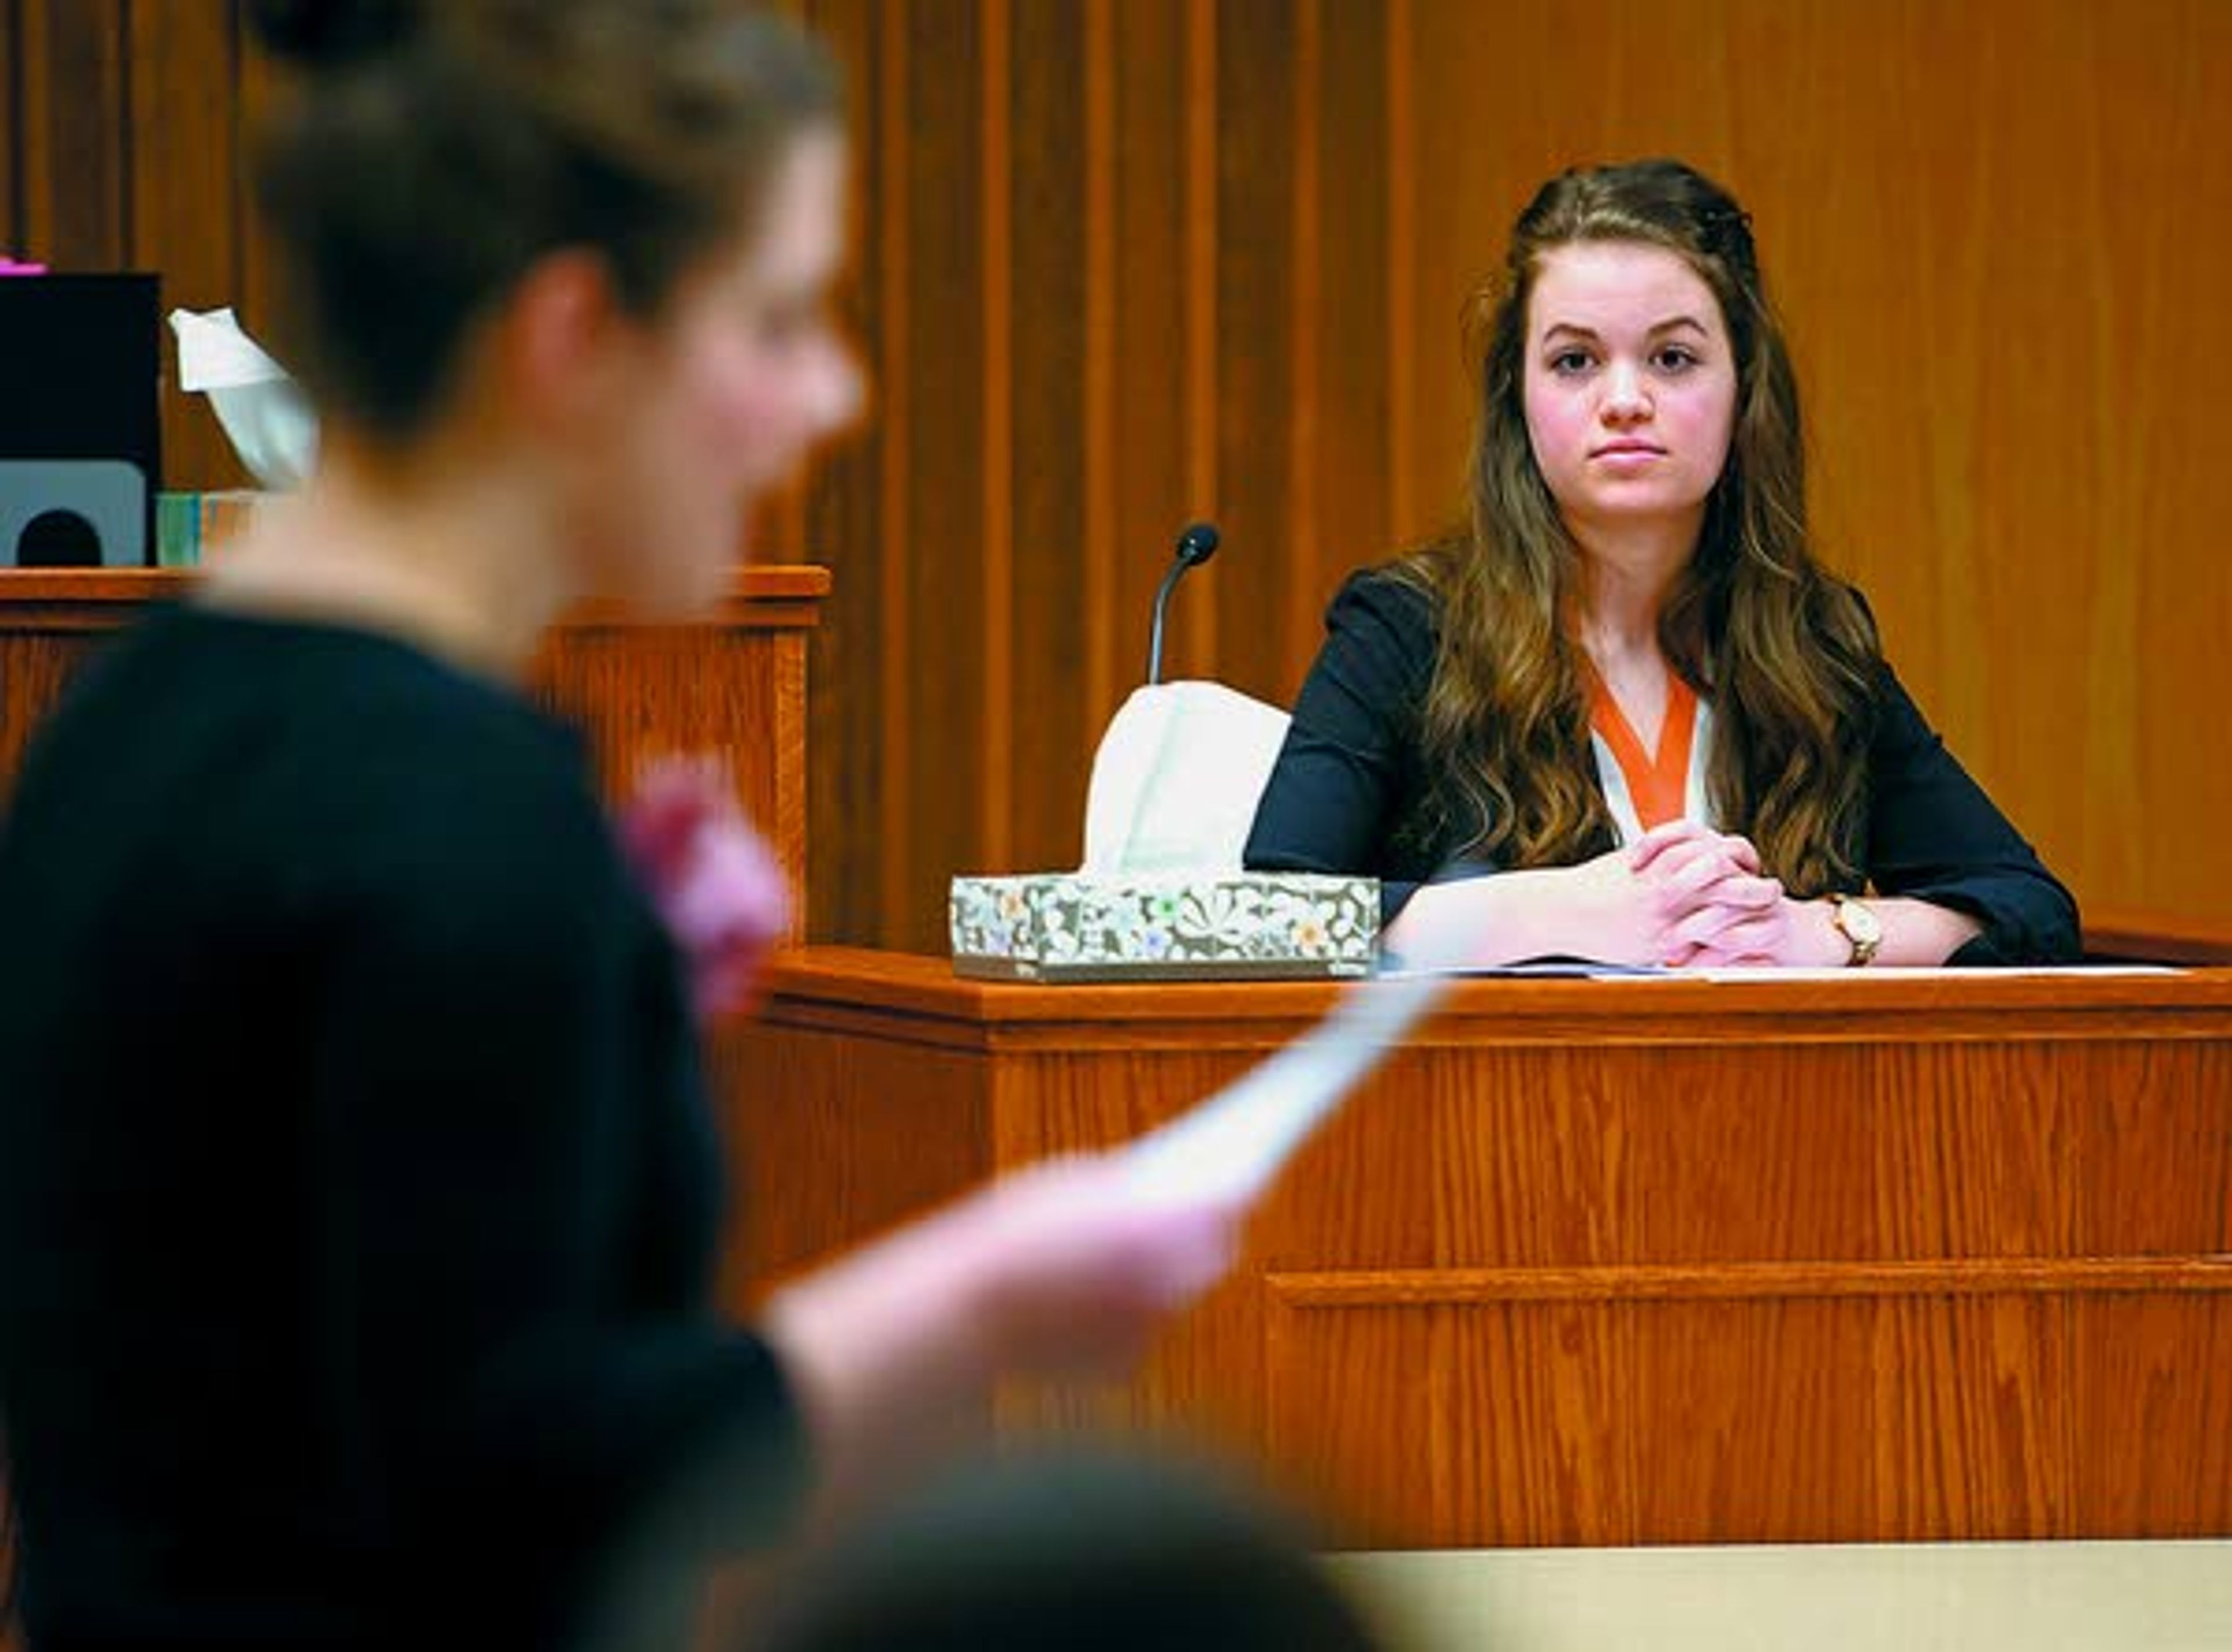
(898, 834)
(1348, 459)
(2169, 189)
(937, 706)
(1456, 199)
(648, 694)
(1830, 64)
(182, 107)
(1057, 373)
(1124, 262)
(849, 781)
(2003, 543)
(2016, 233)
(1290, 621)
(1095, 409)
(1202, 261)
(11, 154)
(71, 134)
(1152, 464)
(260, 88)
(996, 438)
(778, 532)
(1258, 390)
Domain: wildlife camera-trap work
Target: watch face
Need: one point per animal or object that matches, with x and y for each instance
(1860, 922)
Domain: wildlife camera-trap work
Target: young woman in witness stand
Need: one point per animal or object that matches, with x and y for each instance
(357, 1188)
(1626, 688)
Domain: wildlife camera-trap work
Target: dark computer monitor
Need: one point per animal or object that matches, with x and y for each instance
(80, 429)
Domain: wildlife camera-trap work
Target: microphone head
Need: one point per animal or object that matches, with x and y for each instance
(1197, 544)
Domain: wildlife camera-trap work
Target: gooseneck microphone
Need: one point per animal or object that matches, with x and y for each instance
(1196, 546)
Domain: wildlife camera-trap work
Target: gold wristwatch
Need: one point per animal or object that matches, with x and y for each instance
(1859, 926)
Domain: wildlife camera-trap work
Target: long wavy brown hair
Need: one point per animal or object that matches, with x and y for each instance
(1786, 653)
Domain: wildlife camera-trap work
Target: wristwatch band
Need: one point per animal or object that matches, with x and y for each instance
(1862, 931)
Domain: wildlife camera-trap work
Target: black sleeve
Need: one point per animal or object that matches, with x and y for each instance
(474, 1077)
(1933, 835)
(1332, 801)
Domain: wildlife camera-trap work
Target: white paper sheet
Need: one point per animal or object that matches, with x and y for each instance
(1233, 1145)
(1915, 972)
(1535, 969)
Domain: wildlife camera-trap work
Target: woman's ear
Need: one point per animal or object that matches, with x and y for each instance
(565, 341)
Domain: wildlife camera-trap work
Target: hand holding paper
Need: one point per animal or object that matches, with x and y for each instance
(1064, 1266)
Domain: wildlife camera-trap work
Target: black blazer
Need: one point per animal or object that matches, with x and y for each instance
(1350, 792)
(361, 1200)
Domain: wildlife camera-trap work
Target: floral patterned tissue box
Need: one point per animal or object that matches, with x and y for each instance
(1068, 926)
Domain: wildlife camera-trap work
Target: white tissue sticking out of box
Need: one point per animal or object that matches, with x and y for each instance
(1177, 779)
(264, 412)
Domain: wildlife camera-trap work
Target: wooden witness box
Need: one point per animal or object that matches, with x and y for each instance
(733, 686)
(1612, 1262)
(1589, 1262)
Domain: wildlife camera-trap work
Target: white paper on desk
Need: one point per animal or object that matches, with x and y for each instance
(1233, 1145)
(1917, 972)
(1534, 969)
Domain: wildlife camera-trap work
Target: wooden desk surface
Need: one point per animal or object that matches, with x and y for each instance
(915, 997)
(49, 599)
(1864, 1259)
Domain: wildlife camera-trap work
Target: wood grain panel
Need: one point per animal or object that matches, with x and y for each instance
(186, 209)
(888, 1133)
(1125, 262)
(854, 794)
(72, 171)
(936, 710)
(1345, 470)
(1644, 1262)
(1259, 390)
(1193, 1387)
(2154, 1372)
(260, 83)
(12, 58)
(1157, 464)
(2123, 935)
(1347, 223)
(736, 695)
(734, 689)
(1787, 1420)
(34, 675)
(1051, 728)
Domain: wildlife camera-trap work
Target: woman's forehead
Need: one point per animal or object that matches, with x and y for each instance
(1623, 288)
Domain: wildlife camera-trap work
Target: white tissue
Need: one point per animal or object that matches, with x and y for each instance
(1177, 778)
(262, 410)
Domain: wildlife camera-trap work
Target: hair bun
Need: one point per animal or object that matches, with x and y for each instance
(330, 34)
